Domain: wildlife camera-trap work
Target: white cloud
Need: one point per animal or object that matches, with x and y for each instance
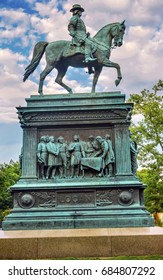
(146, 12)
(46, 9)
(14, 25)
(13, 90)
(14, 16)
(102, 5)
(54, 26)
(140, 33)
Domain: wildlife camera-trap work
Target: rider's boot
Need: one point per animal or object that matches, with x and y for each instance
(90, 70)
(88, 54)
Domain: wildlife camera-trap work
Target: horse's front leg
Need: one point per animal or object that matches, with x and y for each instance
(109, 63)
(95, 78)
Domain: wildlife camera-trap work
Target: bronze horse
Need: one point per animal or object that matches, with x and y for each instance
(59, 56)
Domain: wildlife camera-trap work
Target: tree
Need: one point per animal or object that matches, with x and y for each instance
(9, 175)
(154, 192)
(148, 133)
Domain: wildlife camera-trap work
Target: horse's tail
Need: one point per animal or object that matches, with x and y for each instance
(38, 52)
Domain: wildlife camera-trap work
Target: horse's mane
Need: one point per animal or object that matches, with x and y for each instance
(103, 29)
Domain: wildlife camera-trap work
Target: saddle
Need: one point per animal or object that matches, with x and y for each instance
(71, 50)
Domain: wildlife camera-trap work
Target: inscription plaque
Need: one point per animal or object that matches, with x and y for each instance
(81, 199)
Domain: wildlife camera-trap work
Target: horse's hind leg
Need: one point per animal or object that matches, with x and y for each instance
(43, 75)
(95, 78)
(58, 80)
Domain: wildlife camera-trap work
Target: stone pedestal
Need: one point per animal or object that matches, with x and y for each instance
(81, 243)
(88, 201)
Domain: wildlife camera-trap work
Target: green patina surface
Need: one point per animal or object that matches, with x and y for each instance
(71, 181)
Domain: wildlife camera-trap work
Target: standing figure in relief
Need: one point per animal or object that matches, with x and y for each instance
(21, 158)
(53, 152)
(102, 153)
(110, 158)
(133, 153)
(42, 155)
(62, 157)
(76, 152)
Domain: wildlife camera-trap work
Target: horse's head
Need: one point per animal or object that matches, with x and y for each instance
(118, 31)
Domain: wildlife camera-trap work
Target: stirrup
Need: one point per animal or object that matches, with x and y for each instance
(89, 59)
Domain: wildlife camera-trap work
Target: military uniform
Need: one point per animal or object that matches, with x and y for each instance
(52, 153)
(77, 30)
(77, 152)
(42, 155)
(110, 158)
(62, 158)
(52, 158)
(102, 152)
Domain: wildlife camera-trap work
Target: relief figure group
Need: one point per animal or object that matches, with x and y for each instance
(68, 160)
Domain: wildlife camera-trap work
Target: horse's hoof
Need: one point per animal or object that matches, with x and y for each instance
(117, 82)
(70, 92)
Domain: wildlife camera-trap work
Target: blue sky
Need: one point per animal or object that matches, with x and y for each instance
(24, 23)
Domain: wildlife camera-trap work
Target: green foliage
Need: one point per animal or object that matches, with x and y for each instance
(153, 194)
(3, 214)
(9, 175)
(148, 133)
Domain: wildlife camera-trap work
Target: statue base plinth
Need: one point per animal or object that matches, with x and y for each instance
(84, 202)
(78, 204)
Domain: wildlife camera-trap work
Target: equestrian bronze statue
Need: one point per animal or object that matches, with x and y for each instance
(82, 52)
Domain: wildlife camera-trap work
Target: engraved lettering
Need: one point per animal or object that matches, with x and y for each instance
(74, 199)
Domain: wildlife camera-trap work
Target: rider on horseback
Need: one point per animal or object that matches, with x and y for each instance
(77, 30)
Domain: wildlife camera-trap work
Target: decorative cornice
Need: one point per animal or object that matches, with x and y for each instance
(83, 115)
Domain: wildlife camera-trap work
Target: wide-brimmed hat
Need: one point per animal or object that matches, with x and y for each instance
(76, 7)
